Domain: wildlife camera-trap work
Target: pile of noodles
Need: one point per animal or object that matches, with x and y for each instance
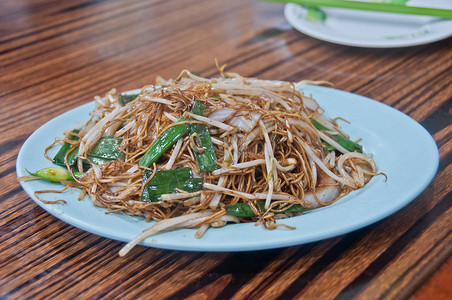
(266, 146)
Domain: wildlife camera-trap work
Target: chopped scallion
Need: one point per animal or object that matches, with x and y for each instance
(244, 209)
(205, 156)
(343, 141)
(163, 143)
(167, 181)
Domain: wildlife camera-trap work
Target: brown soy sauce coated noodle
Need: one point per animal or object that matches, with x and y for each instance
(272, 150)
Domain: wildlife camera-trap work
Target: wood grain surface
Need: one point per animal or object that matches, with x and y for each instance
(57, 55)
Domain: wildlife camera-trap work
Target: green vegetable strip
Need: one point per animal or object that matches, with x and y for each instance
(347, 144)
(72, 157)
(344, 142)
(315, 14)
(55, 174)
(166, 140)
(166, 182)
(126, 98)
(105, 150)
(206, 160)
(317, 125)
(244, 210)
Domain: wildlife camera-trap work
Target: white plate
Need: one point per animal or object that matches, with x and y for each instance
(395, 140)
(373, 29)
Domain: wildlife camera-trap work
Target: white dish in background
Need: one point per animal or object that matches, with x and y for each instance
(372, 29)
(395, 140)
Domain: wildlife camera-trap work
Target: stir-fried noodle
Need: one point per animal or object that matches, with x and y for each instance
(273, 150)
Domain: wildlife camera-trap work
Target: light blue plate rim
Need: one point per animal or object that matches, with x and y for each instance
(396, 141)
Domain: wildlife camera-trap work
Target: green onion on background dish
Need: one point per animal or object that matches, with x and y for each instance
(388, 7)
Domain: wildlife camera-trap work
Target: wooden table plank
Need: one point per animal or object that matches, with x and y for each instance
(57, 55)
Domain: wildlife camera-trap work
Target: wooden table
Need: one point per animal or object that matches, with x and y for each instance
(56, 55)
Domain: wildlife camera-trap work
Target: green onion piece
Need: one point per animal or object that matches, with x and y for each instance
(328, 147)
(166, 182)
(105, 150)
(126, 98)
(166, 140)
(317, 125)
(61, 154)
(344, 142)
(347, 144)
(244, 209)
(205, 160)
(315, 14)
(54, 174)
